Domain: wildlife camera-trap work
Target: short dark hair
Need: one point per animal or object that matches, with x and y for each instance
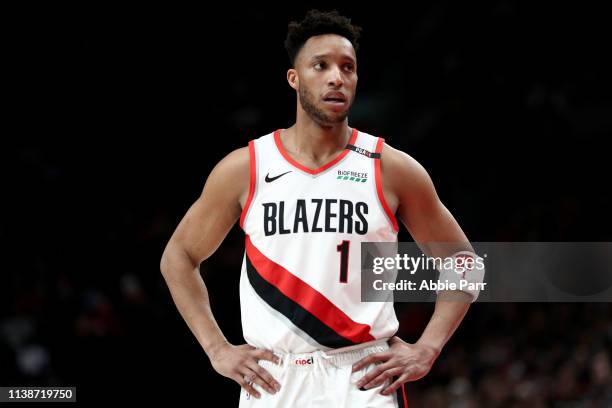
(317, 23)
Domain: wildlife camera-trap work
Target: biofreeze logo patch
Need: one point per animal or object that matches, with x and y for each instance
(351, 175)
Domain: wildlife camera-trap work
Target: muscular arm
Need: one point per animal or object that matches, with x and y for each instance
(429, 222)
(197, 237)
(408, 188)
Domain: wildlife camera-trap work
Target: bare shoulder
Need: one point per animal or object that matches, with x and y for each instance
(213, 214)
(235, 162)
(230, 176)
(400, 169)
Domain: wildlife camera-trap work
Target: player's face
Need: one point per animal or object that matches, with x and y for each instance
(326, 77)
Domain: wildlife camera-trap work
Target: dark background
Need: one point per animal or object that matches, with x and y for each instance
(116, 116)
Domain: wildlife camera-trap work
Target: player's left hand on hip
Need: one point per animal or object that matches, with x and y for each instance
(408, 362)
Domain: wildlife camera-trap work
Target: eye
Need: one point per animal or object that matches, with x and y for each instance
(349, 67)
(319, 65)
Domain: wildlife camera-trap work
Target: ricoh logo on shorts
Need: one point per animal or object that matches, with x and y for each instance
(303, 361)
(350, 175)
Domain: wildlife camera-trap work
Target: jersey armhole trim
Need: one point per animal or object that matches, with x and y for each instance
(252, 182)
(379, 189)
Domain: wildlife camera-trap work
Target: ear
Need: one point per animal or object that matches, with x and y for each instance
(293, 79)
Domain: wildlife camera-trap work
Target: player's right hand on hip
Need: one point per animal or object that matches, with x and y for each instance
(240, 364)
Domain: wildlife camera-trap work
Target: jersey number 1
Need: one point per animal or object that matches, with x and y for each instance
(343, 248)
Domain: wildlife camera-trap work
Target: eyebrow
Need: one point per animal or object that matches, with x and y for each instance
(322, 56)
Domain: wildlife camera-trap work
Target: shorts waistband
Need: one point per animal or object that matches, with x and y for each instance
(330, 358)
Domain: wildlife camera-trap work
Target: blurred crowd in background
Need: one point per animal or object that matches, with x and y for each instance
(121, 119)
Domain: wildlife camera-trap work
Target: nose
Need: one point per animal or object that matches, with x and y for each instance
(335, 78)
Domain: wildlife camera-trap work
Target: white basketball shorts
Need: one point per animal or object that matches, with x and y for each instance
(321, 379)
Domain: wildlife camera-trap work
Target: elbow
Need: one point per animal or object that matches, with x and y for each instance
(166, 262)
(175, 258)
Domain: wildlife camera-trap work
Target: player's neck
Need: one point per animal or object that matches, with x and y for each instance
(308, 139)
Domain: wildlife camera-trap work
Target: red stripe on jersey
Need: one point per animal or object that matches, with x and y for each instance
(307, 297)
(379, 189)
(252, 181)
(404, 395)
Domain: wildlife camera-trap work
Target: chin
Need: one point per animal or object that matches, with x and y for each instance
(336, 116)
(340, 118)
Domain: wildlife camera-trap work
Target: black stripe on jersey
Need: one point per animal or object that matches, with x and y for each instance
(299, 316)
(363, 151)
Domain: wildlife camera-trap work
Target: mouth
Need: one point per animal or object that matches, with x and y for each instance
(335, 100)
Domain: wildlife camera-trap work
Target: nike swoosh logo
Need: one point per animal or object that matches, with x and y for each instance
(269, 179)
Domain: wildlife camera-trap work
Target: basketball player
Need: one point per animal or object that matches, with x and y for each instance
(306, 197)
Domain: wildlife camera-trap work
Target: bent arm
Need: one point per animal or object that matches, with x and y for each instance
(197, 237)
(429, 222)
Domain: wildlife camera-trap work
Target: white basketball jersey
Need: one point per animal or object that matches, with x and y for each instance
(300, 285)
